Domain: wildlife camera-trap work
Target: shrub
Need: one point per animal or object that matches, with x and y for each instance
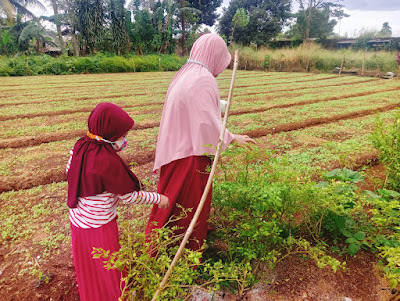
(386, 138)
(85, 65)
(114, 64)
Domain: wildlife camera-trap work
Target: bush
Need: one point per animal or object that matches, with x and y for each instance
(114, 64)
(85, 65)
(142, 272)
(386, 138)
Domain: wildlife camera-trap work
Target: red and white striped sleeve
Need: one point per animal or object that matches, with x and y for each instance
(140, 197)
(71, 153)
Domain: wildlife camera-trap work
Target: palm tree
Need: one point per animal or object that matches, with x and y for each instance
(34, 31)
(13, 7)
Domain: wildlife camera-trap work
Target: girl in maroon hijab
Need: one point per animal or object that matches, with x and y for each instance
(97, 180)
(190, 123)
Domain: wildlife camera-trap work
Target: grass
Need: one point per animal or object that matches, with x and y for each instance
(312, 57)
(32, 217)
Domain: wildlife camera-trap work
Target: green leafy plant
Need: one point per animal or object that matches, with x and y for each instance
(386, 138)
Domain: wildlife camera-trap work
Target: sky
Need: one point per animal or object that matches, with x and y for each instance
(369, 15)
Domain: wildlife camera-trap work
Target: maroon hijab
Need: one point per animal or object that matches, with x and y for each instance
(96, 167)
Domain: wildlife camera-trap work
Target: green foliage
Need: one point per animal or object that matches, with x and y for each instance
(261, 211)
(386, 138)
(321, 26)
(101, 63)
(266, 19)
(144, 264)
(345, 175)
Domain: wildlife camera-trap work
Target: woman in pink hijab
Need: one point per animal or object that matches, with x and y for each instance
(189, 130)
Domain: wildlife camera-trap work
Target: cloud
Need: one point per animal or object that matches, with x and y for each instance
(372, 5)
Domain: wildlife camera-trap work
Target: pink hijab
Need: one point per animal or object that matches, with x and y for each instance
(191, 118)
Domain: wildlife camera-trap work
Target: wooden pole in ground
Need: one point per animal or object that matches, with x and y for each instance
(206, 190)
(363, 65)
(341, 66)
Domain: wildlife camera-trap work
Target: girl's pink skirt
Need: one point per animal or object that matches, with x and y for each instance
(95, 283)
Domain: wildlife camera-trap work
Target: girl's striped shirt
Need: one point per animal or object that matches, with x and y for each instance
(98, 210)
(95, 211)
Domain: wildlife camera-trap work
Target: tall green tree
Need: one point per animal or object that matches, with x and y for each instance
(320, 26)
(11, 8)
(240, 19)
(154, 25)
(118, 26)
(386, 30)
(266, 19)
(194, 13)
(309, 8)
(90, 17)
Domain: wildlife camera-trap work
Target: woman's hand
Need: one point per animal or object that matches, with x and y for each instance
(243, 140)
(164, 203)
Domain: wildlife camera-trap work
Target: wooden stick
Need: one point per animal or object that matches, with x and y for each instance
(341, 66)
(363, 65)
(207, 188)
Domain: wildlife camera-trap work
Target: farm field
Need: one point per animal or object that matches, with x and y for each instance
(316, 122)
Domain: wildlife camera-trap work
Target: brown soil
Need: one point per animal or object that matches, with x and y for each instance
(32, 179)
(304, 88)
(81, 110)
(317, 121)
(300, 280)
(302, 103)
(47, 138)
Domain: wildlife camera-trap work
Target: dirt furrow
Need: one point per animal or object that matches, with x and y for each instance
(318, 121)
(142, 157)
(81, 98)
(303, 88)
(58, 175)
(47, 138)
(81, 110)
(307, 102)
(53, 137)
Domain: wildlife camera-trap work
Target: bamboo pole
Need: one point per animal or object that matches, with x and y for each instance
(207, 188)
(341, 66)
(363, 65)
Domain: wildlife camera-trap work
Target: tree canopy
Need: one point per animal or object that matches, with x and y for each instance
(266, 19)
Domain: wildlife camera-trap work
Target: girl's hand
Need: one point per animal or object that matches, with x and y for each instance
(164, 203)
(243, 140)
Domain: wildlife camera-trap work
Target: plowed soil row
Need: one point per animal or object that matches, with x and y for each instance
(81, 98)
(305, 88)
(317, 121)
(146, 81)
(287, 82)
(139, 157)
(47, 138)
(81, 110)
(307, 102)
(144, 157)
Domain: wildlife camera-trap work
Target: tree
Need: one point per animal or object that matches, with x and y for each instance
(118, 26)
(321, 25)
(14, 7)
(308, 8)
(90, 17)
(240, 19)
(153, 26)
(196, 12)
(266, 19)
(386, 30)
(32, 31)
